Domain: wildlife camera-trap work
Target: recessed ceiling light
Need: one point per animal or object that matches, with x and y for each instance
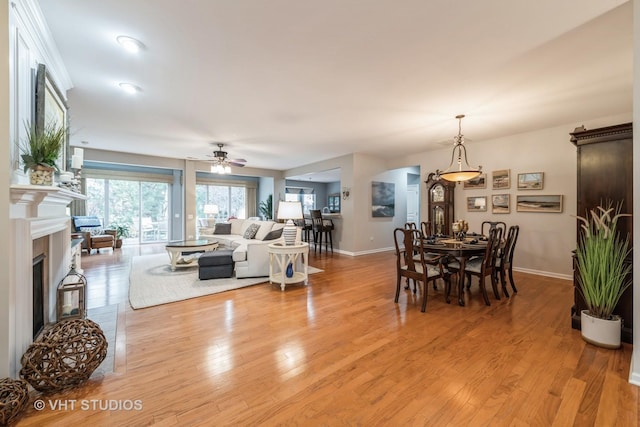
(130, 44)
(130, 88)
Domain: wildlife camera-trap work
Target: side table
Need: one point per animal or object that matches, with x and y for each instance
(281, 255)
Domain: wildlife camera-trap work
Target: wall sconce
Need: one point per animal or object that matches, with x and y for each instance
(345, 193)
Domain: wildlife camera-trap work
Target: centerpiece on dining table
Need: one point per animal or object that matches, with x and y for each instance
(460, 229)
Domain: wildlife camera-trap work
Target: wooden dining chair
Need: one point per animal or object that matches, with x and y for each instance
(425, 226)
(482, 267)
(411, 264)
(493, 224)
(504, 262)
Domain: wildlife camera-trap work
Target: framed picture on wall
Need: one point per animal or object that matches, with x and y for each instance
(383, 199)
(536, 203)
(501, 179)
(51, 110)
(531, 181)
(500, 204)
(478, 182)
(477, 204)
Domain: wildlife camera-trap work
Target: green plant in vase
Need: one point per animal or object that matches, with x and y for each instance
(266, 207)
(603, 275)
(122, 232)
(41, 151)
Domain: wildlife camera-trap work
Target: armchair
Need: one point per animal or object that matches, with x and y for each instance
(95, 237)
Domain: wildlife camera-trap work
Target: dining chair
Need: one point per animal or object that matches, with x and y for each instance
(425, 226)
(411, 264)
(493, 224)
(482, 267)
(322, 229)
(504, 263)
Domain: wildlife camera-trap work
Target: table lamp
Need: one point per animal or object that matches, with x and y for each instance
(289, 211)
(211, 210)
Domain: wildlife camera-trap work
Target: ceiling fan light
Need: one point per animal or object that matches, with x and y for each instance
(227, 169)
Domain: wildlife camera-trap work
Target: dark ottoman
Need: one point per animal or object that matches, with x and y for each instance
(215, 264)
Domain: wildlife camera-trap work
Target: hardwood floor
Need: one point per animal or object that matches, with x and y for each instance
(340, 352)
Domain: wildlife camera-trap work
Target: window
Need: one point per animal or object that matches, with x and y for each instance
(230, 200)
(141, 205)
(303, 195)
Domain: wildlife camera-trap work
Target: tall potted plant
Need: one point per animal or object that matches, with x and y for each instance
(603, 275)
(41, 151)
(266, 207)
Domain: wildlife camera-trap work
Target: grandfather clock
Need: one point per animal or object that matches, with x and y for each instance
(440, 196)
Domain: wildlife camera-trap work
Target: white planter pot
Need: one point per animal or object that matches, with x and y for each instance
(600, 332)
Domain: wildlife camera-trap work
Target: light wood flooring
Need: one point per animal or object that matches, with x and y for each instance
(340, 352)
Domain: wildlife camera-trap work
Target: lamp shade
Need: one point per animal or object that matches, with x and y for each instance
(211, 209)
(459, 155)
(289, 211)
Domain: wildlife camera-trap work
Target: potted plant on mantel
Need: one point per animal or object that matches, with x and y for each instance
(122, 232)
(41, 151)
(603, 275)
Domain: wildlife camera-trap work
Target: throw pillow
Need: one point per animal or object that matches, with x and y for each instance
(273, 234)
(251, 231)
(222, 228)
(93, 231)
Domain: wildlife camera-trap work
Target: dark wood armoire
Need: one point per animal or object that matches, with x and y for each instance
(605, 173)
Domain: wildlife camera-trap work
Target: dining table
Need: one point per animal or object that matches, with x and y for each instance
(461, 250)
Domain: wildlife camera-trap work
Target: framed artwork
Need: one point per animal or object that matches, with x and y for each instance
(501, 179)
(531, 181)
(383, 199)
(478, 182)
(51, 108)
(477, 204)
(551, 203)
(500, 204)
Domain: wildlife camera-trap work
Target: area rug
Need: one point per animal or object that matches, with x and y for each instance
(107, 318)
(151, 282)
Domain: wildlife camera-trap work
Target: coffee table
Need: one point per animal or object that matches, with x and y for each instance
(177, 248)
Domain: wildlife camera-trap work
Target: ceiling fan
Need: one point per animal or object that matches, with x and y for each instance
(221, 161)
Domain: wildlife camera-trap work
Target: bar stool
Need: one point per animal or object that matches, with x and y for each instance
(321, 227)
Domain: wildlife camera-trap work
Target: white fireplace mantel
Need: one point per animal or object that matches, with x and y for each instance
(33, 198)
(36, 211)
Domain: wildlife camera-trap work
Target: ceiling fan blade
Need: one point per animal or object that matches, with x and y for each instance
(237, 160)
(240, 165)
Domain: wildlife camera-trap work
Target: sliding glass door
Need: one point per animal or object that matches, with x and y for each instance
(140, 205)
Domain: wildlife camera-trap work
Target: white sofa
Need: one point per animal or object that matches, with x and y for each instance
(250, 256)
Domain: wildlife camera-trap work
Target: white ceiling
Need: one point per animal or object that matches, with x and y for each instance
(284, 83)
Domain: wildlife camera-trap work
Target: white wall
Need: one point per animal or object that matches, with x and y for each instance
(546, 239)
(6, 315)
(634, 374)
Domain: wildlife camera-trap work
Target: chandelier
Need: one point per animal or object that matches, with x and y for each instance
(459, 173)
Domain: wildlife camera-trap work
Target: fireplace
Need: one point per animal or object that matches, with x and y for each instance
(38, 294)
(40, 237)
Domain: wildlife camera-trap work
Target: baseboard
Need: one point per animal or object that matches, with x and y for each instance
(544, 273)
(634, 375)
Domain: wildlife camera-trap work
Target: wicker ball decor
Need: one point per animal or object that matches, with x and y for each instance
(64, 356)
(14, 397)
